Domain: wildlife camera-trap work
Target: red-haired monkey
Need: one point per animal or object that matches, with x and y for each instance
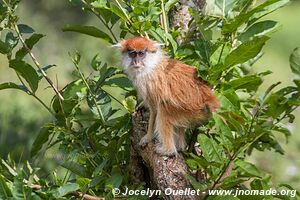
(171, 90)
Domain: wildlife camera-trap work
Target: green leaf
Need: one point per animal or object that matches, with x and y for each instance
(30, 42)
(256, 13)
(130, 103)
(23, 28)
(245, 51)
(229, 100)
(248, 168)
(295, 61)
(88, 30)
(11, 40)
(41, 139)
(169, 4)
(10, 169)
(116, 178)
(242, 5)
(266, 8)
(10, 85)
(83, 183)
(5, 192)
(18, 187)
(250, 83)
(27, 72)
(96, 63)
(105, 73)
(258, 29)
(212, 152)
(196, 184)
(234, 120)
(120, 81)
(99, 4)
(45, 69)
(4, 48)
(203, 49)
(66, 189)
(260, 184)
(115, 9)
(225, 5)
(76, 168)
(224, 131)
(234, 24)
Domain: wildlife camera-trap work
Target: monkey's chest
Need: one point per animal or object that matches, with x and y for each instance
(142, 88)
(149, 89)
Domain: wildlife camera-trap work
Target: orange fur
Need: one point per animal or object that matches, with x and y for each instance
(138, 43)
(175, 96)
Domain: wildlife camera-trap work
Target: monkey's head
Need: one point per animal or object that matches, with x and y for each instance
(140, 55)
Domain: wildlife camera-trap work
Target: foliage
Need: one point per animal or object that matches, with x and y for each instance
(91, 115)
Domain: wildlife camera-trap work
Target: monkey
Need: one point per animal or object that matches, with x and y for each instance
(175, 95)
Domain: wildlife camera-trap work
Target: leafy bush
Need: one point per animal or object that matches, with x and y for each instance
(92, 114)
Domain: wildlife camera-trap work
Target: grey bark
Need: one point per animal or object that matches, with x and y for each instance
(160, 172)
(163, 172)
(181, 18)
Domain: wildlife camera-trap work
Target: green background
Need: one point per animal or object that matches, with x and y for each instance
(21, 116)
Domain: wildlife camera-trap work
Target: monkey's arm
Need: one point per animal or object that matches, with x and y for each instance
(151, 124)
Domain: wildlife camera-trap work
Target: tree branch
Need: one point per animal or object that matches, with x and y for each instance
(37, 63)
(165, 172)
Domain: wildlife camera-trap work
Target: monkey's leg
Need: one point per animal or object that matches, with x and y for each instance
(165, 130)
(180, 139)
(150, 132)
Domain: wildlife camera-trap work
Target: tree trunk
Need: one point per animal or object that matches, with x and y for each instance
(163, 173)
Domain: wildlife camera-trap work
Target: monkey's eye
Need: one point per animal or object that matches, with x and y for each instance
(141, 53)
(132, 54)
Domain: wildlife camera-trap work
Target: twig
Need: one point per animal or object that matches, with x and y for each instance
(92, 94)
(101, 19)
(123, 11)
(36, 97)
(37, 63)
(164, 21)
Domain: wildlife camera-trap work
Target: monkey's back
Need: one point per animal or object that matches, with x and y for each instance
(180, 91)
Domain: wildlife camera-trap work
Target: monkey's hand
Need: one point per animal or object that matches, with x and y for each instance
(140, 105)
(145, 140)
(162, 150)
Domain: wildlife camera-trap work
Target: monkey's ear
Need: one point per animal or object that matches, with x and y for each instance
(159, 45)
(119, 45)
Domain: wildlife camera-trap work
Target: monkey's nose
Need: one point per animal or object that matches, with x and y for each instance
(136, 62)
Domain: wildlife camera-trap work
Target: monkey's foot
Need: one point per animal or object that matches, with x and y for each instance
(181, 146)
(140, 106)
(170, 152)
(144, 141)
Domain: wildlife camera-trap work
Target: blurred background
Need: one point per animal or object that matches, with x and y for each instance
(21, 117)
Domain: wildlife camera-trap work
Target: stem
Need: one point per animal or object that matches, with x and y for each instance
(221, 53)
(164, 19)
(37, 63)
(66, 177)
(92, 94)
(123, 11)
(117, 100)
(36, 97)
(101, 19)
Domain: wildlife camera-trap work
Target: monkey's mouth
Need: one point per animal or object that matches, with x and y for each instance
(137, 66)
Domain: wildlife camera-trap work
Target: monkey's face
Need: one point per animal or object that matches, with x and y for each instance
(139, 55)
(135, 58)
(140, 62)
